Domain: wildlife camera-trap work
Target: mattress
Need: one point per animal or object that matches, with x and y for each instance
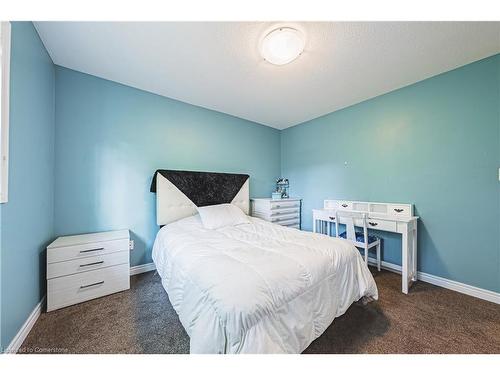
(258, 287)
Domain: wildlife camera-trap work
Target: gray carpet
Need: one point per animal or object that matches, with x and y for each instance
(141, 320)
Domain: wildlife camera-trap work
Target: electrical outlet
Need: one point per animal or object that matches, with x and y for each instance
(131, 245)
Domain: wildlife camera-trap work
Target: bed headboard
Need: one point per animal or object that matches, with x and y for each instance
(178, 193)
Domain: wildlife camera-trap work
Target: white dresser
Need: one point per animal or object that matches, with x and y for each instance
(284, 212)
(87, 266)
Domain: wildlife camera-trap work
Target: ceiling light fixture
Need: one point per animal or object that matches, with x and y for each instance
(282, 45)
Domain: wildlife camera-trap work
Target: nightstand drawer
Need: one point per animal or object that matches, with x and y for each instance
(70, 267)
(60, 254)
(68, 290)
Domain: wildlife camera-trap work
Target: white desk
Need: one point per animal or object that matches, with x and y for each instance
(389, 217)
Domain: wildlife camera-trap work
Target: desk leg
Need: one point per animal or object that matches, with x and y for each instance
(414, 252)
(404, 266)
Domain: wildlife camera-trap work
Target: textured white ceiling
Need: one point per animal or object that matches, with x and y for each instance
(216, 65)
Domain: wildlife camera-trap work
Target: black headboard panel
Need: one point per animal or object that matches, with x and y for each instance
(204, 188)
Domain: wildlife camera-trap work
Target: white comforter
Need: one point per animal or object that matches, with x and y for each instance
(259, 287)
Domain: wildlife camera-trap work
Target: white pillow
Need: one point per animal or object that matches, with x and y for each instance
(222, 215)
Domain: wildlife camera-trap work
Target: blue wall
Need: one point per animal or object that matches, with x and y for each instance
(110, 139)
(27, 218)
(435, 144)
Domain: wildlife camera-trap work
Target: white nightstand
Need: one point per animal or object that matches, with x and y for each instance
(284, 212)
(87, 266)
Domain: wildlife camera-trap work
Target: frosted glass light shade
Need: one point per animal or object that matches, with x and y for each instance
(282, 45)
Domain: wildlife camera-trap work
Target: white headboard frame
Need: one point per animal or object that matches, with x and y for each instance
(172, 204)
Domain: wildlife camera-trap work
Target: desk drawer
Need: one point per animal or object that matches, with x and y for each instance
(400, 210)
(61, 254)
(70, 267)
(68, 290)
(381, 225)
(324, 215)
(344, 206)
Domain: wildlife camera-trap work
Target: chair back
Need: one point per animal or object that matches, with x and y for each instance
(349, 218)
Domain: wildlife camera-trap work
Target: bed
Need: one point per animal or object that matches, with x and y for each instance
(250, 288)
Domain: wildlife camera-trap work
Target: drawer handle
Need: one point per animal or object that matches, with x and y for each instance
(94, 284)
(398, 210)
(91, 264)
(88, 251)
(372, 223)
(344, 205)
(331, 217)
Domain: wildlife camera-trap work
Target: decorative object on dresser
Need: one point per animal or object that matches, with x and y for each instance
(87, 266)
(388, 217)
(284, 212)
(282, 186)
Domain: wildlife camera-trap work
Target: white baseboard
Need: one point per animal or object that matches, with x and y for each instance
(18, 339)
(141, 268)
(470, 290)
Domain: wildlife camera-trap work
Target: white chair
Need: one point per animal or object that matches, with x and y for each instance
(359, 239)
